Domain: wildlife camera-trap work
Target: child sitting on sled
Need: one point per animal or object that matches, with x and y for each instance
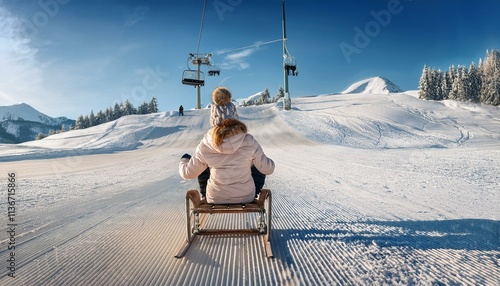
(221, 109)
(229, 152)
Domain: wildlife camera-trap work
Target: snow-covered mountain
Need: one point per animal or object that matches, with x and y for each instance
(374, 85)
(21, 123)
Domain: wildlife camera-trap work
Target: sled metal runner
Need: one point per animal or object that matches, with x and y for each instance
(194, 225)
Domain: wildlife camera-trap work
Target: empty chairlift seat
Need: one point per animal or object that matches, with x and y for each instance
(190, 77)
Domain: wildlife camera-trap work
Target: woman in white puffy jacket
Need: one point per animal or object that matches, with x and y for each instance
(229, 151)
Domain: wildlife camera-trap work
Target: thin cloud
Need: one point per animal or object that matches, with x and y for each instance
(137, 15)
(124, 49)
(19, 72)
(238, 60)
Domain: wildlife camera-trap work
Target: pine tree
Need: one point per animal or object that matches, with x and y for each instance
(458, 88)
(264, 97)
(474, 89)
(490, 89)
(446, 85)
(436, 79)
(40, 136)
(92, 121)
(153, 105)
(143, 108)
(279, 94)
(129, 108)
(117, 112)
(109, 114)
(86, 121)
(100, 118)
(79, 123)
(424, 88)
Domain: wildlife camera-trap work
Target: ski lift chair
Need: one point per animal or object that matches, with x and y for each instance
(291, 66)
(190, 77)
(213, 70)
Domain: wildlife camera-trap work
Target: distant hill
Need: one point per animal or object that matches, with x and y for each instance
(374, 85)
(21, 122)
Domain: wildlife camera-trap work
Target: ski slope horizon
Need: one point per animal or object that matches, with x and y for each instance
(369, 189)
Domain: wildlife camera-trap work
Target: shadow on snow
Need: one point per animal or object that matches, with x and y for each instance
(461, 234)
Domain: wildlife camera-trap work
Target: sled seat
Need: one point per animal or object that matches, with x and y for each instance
(195, 206)
(201, 205)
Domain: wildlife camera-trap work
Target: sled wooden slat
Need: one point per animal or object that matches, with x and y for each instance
(228, 231)
(238, 208)
(194, 226)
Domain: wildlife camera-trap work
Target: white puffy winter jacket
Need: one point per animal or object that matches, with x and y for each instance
(230, 178)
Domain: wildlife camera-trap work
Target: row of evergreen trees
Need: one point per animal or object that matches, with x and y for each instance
(473, 84)
(110, 114)
(113, 113)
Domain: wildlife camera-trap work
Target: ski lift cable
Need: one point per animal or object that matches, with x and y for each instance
(251, 46)
(201, 25)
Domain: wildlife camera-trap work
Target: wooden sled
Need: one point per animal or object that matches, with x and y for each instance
(195, 206)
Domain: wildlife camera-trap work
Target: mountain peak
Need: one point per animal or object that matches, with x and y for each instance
(374, 85)
(21, 122)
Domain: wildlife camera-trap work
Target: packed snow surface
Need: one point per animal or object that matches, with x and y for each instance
(383, 189)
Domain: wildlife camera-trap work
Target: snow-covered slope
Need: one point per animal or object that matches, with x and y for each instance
(374, 85)
(368, 190)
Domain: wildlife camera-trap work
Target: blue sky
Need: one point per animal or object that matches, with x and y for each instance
(68, 57)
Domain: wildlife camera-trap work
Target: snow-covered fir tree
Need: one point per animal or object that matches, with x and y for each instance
(474, 88)
(100, 117)
(424, 88)
(79, 122)
(436, 81)
(92, 121)
(459, 86)
(117, 111)
(153, 105)
(279, 94)
(264, 97)
(446, 85)
(490, 90)
(143, 108)
(128, 108)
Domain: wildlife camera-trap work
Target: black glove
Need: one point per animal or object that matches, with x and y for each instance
(186, 156)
